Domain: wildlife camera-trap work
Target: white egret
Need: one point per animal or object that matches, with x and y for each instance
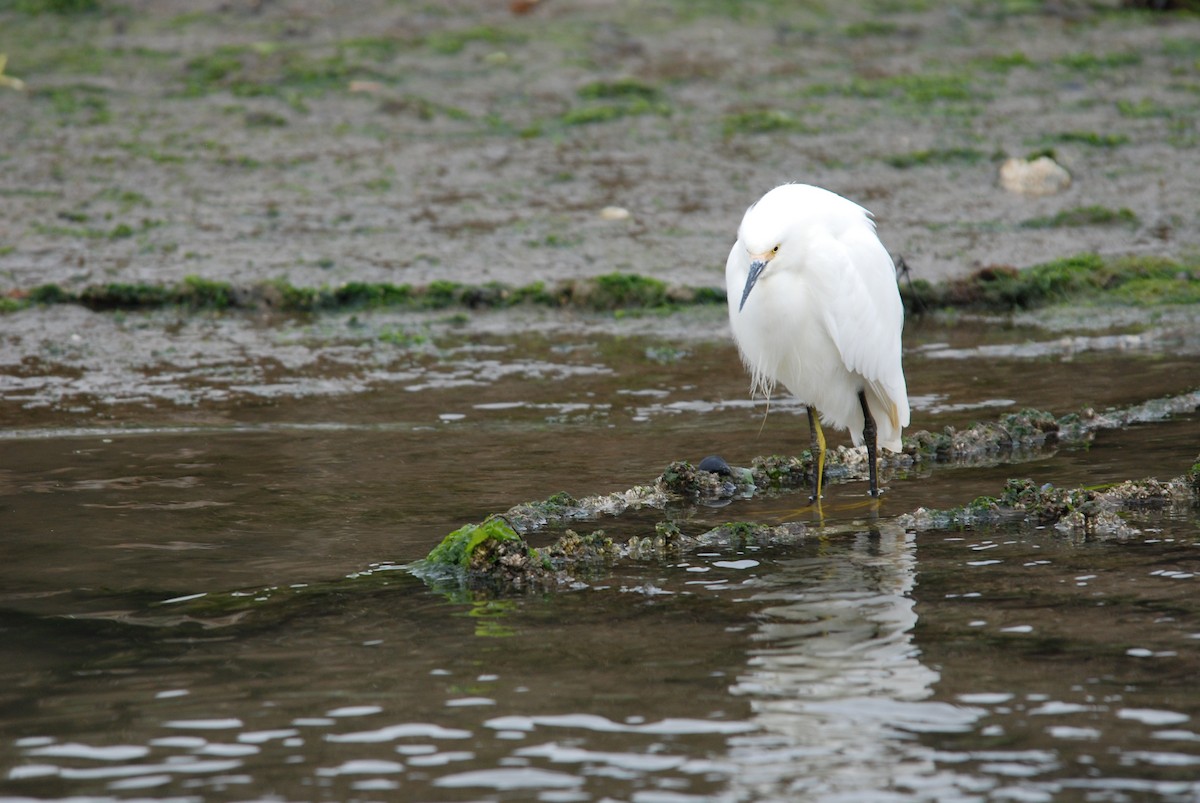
(814, 305)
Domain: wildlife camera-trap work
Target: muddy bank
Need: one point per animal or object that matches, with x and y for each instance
(406, 144)
(1081, 279)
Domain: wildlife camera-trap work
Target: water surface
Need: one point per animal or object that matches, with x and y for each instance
(861, 662)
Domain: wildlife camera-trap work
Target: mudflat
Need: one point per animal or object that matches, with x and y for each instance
(318, 143)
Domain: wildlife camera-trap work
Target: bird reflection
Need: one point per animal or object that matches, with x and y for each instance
(836, 684)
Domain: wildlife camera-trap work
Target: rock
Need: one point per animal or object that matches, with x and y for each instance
(1041, 176)
(716, 465)
(614, 213)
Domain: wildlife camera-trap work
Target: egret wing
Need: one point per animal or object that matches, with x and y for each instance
(864, 315)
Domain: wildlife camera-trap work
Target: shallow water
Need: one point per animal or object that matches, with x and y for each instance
(1002, 664)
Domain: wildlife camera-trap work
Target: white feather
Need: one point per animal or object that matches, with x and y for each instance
(825, 316)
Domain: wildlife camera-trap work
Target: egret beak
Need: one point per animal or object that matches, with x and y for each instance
(756, 269)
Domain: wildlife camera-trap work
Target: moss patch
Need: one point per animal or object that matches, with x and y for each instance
(1142, 281)
(1090, 138)
(1086, 277)
(1085, 216)
(459, 547)
(909, 88)
(1082, 511)
(762, 121)
(627, 290)
(492, 557)
(625, 88)
(64, 7)
(612, 291)
(273, 69)
(936, 156)
(448, 43)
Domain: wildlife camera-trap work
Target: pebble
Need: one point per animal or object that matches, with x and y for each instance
(716, 465)
(614, 213)
(1041, 176)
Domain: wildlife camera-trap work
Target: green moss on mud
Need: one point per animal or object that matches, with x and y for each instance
(273, 69)
(1140, 281)
(621, 88)
(198, 292)
(448, 43)
(762, 121)
(63, 7)
(372, 295)
(965, 156)
(607, 112)
(50, 294)
(1084, 216)
(457, 548)
(916, 89)
(1084, 511)
(80, 103)
(605, 101)
(1089, 138)
(614, 290)
(1085, 277)
(121, 295)
(493, 557)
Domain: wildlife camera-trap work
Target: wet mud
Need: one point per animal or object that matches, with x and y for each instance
(407, 144)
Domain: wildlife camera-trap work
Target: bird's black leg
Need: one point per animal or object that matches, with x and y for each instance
(818, 453)
(869, 435)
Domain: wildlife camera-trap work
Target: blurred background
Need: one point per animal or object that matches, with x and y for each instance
(408, 142)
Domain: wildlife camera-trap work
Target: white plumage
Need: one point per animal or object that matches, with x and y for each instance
(825, 315)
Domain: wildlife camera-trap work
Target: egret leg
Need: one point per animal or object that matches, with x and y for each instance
(818, 452)
(869, 438)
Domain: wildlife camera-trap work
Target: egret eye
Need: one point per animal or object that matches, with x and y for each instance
(775, 250)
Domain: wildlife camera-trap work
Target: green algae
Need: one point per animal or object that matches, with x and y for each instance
(49, 294)
(1092, 139)
(122, 295)
(459, 547)
(203, 293)
(609, 292)
(1082, 511)
(449, 43)
(262, 69)
(492, 557)
(1088, 278)
(1084, 216)
(762, 121)
(61, 7)
(965, 156)
(627, 290)
(1138, 281)
(611, 100)
(607, 112)
(621, 88)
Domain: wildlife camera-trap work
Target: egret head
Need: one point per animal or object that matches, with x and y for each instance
(764, 234)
